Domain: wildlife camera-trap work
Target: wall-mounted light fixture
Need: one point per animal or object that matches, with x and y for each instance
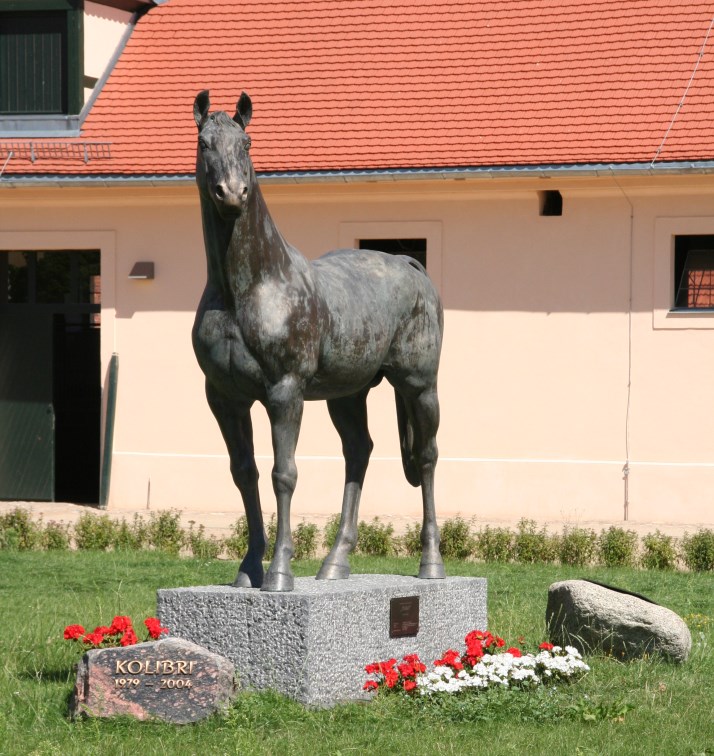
(142, 271)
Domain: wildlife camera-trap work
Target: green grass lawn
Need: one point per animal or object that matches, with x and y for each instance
(644, 707)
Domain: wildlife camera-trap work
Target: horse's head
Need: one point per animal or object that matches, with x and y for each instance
(223, 167)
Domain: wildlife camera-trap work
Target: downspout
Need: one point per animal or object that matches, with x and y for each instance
(626, 466)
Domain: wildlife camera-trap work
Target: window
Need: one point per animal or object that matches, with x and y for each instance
(61, 278)
(415, 248)
(694, 272)
(41, 57)
(428, 234)
(683, 258)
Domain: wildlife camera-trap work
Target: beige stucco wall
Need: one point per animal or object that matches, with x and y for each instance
(103, 29)
(549, 320)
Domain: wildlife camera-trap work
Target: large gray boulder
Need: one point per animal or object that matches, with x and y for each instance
(591, 616)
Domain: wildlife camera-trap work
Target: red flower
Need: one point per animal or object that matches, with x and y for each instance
(475, 648)
(409, 685)
(372, 669)
(120, 625)
(129, 638)
(451, 659)
(73, 632)
(500, 643)
(406, 670)
(545, 646)
(391, 678)
(514, 651)
(154, 627)
(387, 666)
(370, 685)
(93, 639)
(416, 662)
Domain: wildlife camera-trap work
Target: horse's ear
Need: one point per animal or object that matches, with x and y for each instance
(244, 110)
(200, 107)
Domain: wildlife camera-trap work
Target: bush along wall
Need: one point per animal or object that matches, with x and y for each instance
(460, 540)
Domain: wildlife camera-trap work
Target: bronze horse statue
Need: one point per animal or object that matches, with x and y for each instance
(274, 328)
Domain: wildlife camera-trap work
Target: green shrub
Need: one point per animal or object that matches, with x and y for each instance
(18, 531)
(659, 551)
(375, 538)
(532, 546)
(617, 547)
(698, 550)
(165, 532)
(577, 546)
(305, 540)
(495, 544)
(94, 532)
(132, 536)
(237, 543)
(56, 536)
(456, 539)
(410, 542)
(332, 526)
(271, 532)
(201, 545)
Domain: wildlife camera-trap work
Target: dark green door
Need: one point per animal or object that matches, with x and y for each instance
(27, 418)
(50, 382)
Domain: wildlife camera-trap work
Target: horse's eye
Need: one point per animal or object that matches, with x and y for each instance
(247, 144)
(202, 144)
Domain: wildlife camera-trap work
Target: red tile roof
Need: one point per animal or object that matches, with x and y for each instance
(341, 85)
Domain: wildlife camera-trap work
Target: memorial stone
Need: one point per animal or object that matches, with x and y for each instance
(172, 680)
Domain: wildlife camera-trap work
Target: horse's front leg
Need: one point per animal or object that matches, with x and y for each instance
(234, 421)
(284, 404)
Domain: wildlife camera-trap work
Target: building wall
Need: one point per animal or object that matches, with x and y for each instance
(103, 29)
(561, 364)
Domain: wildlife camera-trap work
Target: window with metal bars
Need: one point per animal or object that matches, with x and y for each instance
(694, 272)
(41, 57)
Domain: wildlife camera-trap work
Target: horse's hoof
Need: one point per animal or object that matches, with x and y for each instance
(243, 580)
(432, 571)
(333, 571)
(278, 581)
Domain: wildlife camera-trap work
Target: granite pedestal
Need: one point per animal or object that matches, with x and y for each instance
(312, 644)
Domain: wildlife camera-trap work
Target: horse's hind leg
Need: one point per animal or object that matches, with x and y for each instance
(237, 429)
(349, 415)
(423, 411)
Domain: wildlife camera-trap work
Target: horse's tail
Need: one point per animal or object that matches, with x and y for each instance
(406, 442)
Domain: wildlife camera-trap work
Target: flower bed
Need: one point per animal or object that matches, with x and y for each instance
(483, 665)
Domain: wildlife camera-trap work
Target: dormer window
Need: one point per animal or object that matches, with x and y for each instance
(41, 60)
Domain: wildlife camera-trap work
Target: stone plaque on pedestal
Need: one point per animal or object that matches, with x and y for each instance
(312, 643)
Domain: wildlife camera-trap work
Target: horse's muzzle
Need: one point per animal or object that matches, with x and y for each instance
(230, 200)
